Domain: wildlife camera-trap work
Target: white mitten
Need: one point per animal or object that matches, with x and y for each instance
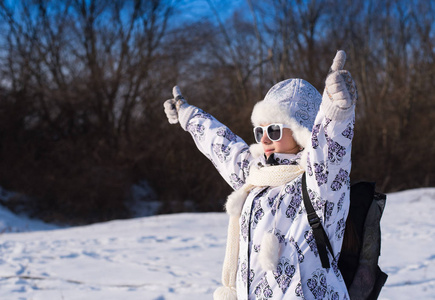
(340, 88)
(177, 109)
(171, 111)
(172, 106)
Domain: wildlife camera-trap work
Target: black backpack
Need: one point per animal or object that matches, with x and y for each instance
(358, 262)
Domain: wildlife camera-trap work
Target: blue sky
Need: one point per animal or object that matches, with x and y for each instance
(200, 9)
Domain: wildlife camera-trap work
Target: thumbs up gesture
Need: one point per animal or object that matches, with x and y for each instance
(172, 106)
(339, 86)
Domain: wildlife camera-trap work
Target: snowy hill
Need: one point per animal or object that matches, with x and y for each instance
(180, 256)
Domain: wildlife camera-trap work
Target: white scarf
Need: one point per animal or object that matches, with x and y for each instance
(258, 177)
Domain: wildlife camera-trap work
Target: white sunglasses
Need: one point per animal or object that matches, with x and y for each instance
(273, 131)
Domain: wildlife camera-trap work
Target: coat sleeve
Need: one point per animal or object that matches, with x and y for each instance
(328, 168)
(228, 152)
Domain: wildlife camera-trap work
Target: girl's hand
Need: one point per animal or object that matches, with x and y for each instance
(339, 86)
(172, 106)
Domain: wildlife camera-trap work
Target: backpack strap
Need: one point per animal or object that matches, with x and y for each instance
(319, 233)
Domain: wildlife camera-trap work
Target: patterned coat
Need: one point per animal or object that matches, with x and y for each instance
(328, 162)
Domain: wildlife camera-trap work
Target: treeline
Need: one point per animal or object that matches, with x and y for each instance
(82, 83)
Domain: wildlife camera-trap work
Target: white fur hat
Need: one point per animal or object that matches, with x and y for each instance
(293, 102)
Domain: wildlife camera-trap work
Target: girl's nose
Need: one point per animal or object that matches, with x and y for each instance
(265, 139)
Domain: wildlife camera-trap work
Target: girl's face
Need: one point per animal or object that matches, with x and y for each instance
(286, 144)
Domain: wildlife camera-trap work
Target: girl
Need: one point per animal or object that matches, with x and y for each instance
(271, 252)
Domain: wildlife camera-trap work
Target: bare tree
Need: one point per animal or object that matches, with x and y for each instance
(82, 84)
(83, 67)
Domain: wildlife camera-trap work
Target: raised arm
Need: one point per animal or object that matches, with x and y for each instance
(228, 152)
(329, 154)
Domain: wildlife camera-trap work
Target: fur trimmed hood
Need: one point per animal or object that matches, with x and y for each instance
(293, 102)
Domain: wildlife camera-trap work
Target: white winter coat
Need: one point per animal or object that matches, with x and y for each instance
(327, 161)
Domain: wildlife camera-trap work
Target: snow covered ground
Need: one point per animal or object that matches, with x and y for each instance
(180, 256)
